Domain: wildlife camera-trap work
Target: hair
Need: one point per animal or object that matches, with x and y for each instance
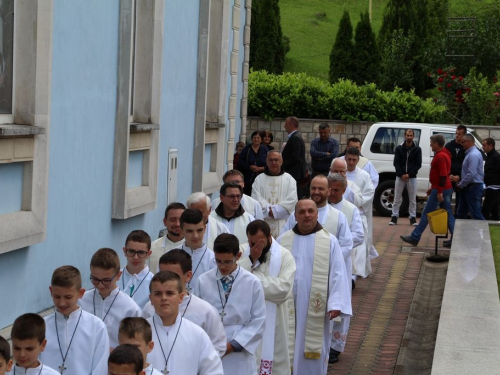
(105, 258)
(343, 160)
(468, 137)
(265, 132)
(438, 138)
(191, 216)
(239, 144)
(139, 236)
(256, 132)
(67, 277)
(174, 206)
(197, 198)
(274, 151)
(353, 139)
(180, 257)
(127, 355)
(353, 151)
(131, 326)
(490, 142)
(232, 172)
(164, 276)
(229, 185)
(294, 121)
(227, 243)
(324, 126)
(305, 199)
(4, 349)
(258, 225)
(337, 177)
(319, 177)
(29, 326)
(410, 130)
(462, 128)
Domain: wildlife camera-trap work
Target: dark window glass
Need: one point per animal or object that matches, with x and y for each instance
(6, 54)
(387, 139)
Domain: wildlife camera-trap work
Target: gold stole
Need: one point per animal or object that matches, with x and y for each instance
(318, 296)
(362, 162)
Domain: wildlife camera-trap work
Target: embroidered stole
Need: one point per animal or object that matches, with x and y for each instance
(331, 220)
(362, 162)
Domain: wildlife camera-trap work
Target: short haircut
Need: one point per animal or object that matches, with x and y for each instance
(180, 257)
(174, 206)
(324, 126)
(273, 151)
(67, 277)
(490, 142)
(438, 138)
(4, 349)
(265, 132)
(254, 133)
(197, 198)
(410, 130)
(462, 128)
(191, 216)
(469, 137)
(106, 259)
(336, 159)
(353, 139)
(337, 177)
(353, 151)
(239, 144)
(232, 172)
(319, 177)
(29, 326)
(258, 225)
(130, 327)
(127, 355)
(229, 185)
(227, 243)
(294, 121)
(139, 236)
(164, 276)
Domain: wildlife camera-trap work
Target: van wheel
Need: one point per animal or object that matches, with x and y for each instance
(384, 198)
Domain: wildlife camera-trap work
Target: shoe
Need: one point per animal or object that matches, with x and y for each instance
(447, 244)
(413, 221)
(353, 284)
(334, 356)
(410, 240)
(394, 220)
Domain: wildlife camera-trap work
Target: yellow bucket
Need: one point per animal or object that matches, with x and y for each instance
(438, 221)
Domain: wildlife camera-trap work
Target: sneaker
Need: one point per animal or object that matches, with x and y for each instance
(413, 221)
(394, 220)
(410, 240)
(334, 356)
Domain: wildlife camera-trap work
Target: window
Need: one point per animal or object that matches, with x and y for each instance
(6, 59)
(387, 139)
(447, 136)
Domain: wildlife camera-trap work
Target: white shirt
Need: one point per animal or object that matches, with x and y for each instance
(150, 370)
(136, 285)
(356, 225)
(39, 370)
(203, 259)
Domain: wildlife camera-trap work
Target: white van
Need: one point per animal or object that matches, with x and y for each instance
(379, 146)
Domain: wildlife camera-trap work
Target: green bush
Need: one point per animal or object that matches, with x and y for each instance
(366, 57)
(342, 51)
(482, 99)
(296, 94)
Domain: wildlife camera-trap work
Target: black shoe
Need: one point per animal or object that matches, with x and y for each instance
(413, 221)
(334, 356)
(394, 220)
(410, 240)
(353, 284)
(447, 244)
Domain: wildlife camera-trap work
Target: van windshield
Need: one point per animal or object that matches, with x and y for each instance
(474, 133)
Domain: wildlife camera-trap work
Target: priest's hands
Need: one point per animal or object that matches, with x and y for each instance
(256, 249)
(271, 212)
(229, 349)
(333, 314)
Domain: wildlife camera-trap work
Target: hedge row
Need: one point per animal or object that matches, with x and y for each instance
(297, 94)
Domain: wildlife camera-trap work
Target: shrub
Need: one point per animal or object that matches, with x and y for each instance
(482, 99)
(342, 51)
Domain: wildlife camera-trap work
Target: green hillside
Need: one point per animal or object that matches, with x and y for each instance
(312, 26)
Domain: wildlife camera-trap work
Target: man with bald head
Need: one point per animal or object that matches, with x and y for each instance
(352, 192)
(321, 289)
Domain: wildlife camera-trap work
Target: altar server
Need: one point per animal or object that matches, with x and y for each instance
(126, 360)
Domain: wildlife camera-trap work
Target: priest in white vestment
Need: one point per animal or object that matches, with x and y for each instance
(239, 297)
(276, 191)
(202, 202)
(321, 289)
(352, 192)
(274, 266)
(249, 204)
(364, 163)
(173, 237)
(231, 213)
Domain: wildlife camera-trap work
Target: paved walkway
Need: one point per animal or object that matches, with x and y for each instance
(381, 302)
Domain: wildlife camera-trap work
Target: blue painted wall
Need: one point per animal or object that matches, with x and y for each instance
(11, 187)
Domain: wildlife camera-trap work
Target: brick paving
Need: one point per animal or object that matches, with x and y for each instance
(381, 302)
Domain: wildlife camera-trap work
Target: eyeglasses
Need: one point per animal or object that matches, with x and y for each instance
(234, 197)
(105, 282)
(225, 262)
(132, 253)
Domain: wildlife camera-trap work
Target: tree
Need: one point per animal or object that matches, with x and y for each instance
(366, 57)
(342, 51)
(398, 15)
(267, 50)
(397, 62)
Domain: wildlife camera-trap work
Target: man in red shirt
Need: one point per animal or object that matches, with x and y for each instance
(439, 193)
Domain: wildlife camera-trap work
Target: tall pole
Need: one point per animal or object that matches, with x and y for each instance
(370, 9)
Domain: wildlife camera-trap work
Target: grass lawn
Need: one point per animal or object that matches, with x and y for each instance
(495, 243)
(312, 26)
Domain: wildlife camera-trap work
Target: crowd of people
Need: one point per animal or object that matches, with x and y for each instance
(257, 281)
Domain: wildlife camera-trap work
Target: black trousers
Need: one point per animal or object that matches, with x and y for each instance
(491, 204)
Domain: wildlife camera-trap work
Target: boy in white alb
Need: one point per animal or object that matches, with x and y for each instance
(106, 300)
(77, 342)
(239, 298)
(126, 360)
(180, 346)
(136, 275)
(28, 341)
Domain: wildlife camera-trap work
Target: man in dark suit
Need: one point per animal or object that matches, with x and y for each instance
(294, 155)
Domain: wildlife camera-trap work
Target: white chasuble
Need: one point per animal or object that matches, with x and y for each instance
(237, 225)
(136, 285)
(367, 166)
(244, 315)
(203, 260)
(89, 350)
(160, 247)
(353, 219)
(110, 310)
(249, 204)
(309, 252)
(278, 193)
(213, 229)
(277, 284)
(41, 369)
(182, 348)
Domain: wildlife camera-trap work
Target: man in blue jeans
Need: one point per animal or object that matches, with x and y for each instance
(439, 193)
(471, 181)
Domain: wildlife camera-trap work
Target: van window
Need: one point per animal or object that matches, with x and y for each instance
(448, 137)
(387, 139)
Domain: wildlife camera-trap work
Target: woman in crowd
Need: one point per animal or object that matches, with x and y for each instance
(267, 139)
(252, 161)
